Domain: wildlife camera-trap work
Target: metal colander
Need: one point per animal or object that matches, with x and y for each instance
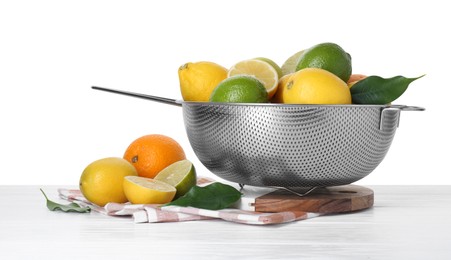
(288, 145)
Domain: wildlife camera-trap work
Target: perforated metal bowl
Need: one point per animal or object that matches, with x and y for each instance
(288, 145)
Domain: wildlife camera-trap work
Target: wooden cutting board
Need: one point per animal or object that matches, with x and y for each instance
(338, 199)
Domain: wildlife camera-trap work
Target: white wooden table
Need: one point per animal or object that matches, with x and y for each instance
(406, 222)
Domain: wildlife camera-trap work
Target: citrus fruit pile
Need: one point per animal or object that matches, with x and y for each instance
(153, 170)
(321, 74)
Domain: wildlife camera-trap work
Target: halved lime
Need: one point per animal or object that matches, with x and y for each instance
(289, 66)
(181, 175)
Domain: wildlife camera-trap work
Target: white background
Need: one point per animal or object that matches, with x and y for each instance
(51, 52)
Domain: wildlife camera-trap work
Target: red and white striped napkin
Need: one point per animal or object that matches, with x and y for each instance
(155, 213)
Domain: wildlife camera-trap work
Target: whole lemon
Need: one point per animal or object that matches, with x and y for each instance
(281, 88)
(197, 80)
(101, 181)
(315, 86)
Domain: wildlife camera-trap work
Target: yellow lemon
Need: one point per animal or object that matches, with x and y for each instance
(316, 86)
(141, 190)
(282, 86)
(197, 80)
(101, 181)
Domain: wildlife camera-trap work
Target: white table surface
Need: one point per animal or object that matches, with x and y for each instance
(406, 222)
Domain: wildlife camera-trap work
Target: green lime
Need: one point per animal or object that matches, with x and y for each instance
(181, 175)
(273, 64)
(327, 56)
(289, 66)
(240, 89)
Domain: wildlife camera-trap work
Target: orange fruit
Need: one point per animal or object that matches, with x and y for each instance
(355, 78)
(152, 153)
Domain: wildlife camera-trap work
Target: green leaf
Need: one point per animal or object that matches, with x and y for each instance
(214, 196)
(72, 207)
(377, 90)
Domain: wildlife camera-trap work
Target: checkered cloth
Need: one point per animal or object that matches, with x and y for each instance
(154, 213)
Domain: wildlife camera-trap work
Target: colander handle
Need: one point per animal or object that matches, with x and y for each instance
(168, 101)
(396, 108)
(407, 108)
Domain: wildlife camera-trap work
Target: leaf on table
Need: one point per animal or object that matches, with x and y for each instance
(377, 90)
(214, 196)
(72, 207)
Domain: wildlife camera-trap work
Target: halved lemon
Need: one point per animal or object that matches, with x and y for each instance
(261, 70)
(141, 190)
(273, 64)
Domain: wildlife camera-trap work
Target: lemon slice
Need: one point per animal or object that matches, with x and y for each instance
(260, 70)
(181, 175)
(141, 190)
(273, 64)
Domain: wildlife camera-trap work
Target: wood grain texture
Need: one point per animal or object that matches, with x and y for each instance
(337, 199)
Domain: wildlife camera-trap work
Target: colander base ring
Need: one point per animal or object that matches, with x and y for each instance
(292, 191)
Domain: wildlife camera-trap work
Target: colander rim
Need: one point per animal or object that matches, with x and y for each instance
(287, 105)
